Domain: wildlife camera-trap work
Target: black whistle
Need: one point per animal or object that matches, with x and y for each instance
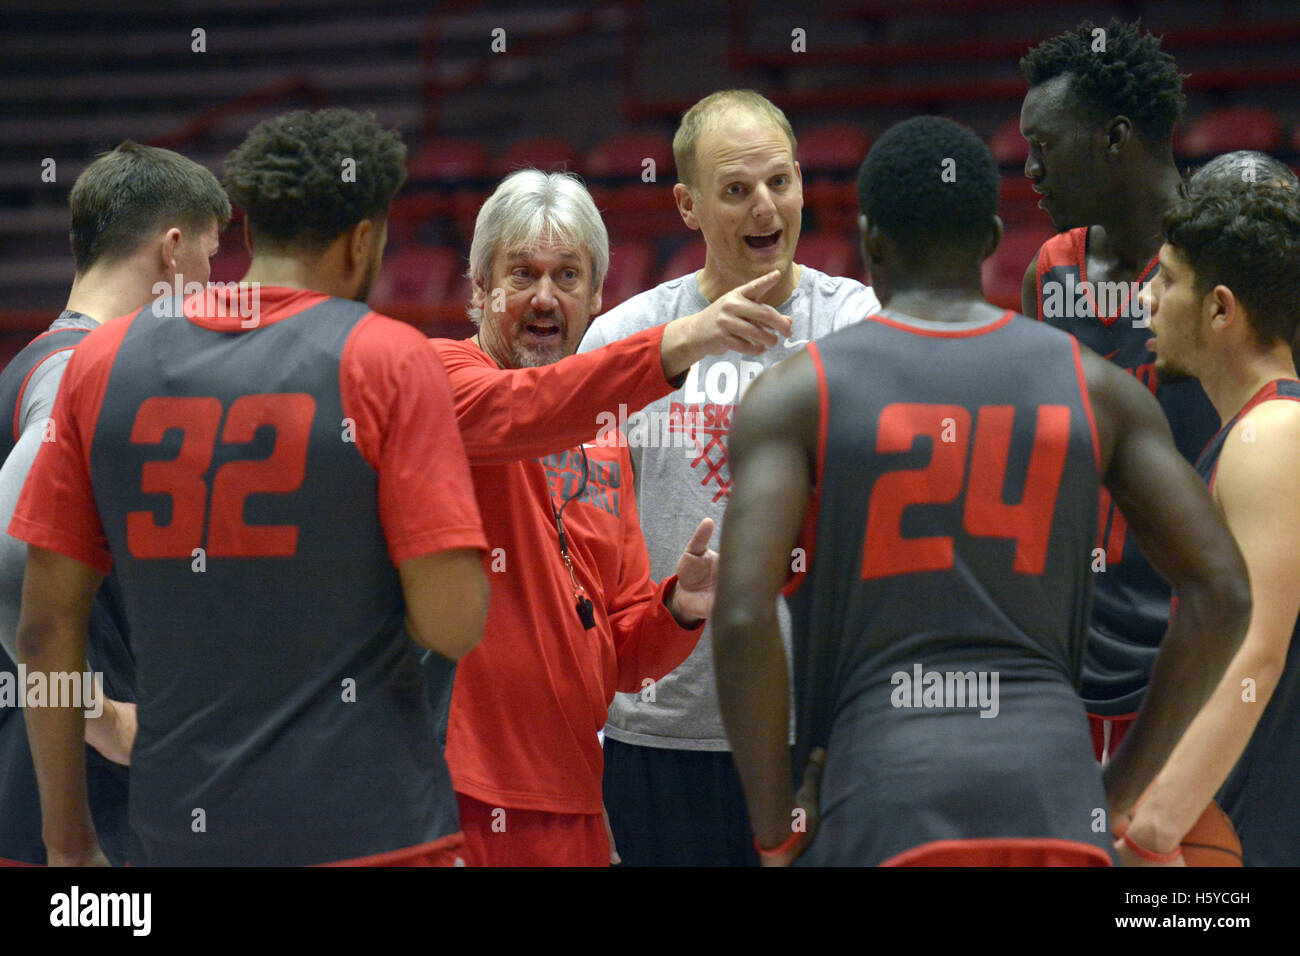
(586, 613)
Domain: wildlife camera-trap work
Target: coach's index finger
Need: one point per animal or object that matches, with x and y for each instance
(755, 289)
(755, 310)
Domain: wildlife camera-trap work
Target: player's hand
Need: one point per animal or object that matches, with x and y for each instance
(808, 799)
(614, 858)
(1144, 836)
(112, 733)
(736, 322)
(697, 579)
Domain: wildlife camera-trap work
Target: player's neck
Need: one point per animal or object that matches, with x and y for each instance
(714, 284)
(1235, 383)
(952, 300)
(1130, 234)
(291, 272)
(102, 292)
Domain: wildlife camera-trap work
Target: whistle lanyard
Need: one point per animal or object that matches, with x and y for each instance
(586, 610)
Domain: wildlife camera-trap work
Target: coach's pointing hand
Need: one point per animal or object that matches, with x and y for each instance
(736, 322)
(697, 578)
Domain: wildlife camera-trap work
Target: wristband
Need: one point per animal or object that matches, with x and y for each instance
(1150, 855)
(786, 847)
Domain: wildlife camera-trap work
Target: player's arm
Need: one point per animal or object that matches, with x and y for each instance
(1029, 291)
(57, 596)
(446, 600)
(112, 732)
(772, 452)
(1184, 537)
(36, 404)
(396, 391)
(1255, 486)
(509, 414)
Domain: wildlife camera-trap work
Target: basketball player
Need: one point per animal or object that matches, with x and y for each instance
(575, 615)
(670, 784)
(276, 474)
(140, 216)
(938, 465)
(1225, 309)
(1099, 118)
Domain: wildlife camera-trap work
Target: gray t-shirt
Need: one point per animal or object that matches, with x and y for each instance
(679, 452)
(38, 403)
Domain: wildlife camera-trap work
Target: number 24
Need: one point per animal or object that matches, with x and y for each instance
(885, 552)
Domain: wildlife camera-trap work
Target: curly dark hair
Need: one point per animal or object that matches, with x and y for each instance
(1130, 76)
(1247, 237)
(292, 178)
(929, 181)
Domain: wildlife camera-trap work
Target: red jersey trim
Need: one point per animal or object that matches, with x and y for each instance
(293, 303)
(6, 862)
(1267, 393)
(1108, 321)
(1071, 244)
(70, 546)
(22, 389)
(944, 334)
(1087, 403)
(439, 852)
(982, 852)
(808, 533)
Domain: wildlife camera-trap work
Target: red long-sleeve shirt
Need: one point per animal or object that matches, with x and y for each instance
(529, 700)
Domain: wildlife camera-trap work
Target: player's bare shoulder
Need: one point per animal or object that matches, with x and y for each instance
(1261, 454)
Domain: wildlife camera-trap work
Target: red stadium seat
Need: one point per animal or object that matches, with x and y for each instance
(454, 167)
(635, 208)
(837, 148)
(449, 160)
(689, 258)
(416, 275)
(1008, 146)
(625, 154)
(1004, 271)
(1233, 127)
(629, 273)
(829, 157)
(827, 252)
(548, 155)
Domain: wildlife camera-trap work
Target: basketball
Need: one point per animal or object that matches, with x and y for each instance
(1212, 841)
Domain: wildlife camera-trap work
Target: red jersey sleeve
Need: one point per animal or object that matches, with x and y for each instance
(648, 641)
(396, 393)
(56, 509)
(509, 414)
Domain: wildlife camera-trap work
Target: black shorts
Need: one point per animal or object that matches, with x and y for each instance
(676, 807)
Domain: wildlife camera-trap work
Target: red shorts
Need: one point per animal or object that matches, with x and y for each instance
(1103, 748)
(1006, 851)
(504, 836)
(445, 851)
